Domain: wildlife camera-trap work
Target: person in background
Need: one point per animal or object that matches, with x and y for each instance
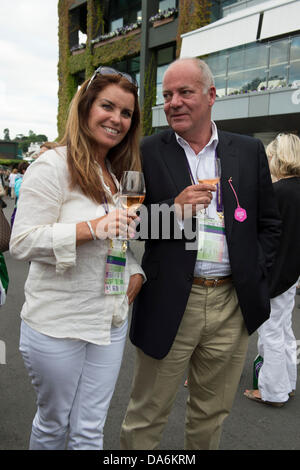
(43, 148)
(22, 167)
(6, 174)
(2, 190)
(67, 225)
(47, 146)
(218, 296)
(12, 179)
(276, 341)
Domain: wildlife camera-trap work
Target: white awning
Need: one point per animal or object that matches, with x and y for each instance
(220, 35)
(242, 27)
(281, 20)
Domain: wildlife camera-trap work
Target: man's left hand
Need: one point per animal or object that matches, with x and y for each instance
(134, 287)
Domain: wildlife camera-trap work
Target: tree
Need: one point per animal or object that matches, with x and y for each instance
(41, 138)
(24, 141)
(6, 134)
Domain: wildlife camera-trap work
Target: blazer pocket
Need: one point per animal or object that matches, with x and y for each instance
(151, 270)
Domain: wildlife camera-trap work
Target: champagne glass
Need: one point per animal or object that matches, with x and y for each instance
(213, 178)
(132, 190)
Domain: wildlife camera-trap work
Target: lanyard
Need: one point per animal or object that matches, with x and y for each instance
(105, 205)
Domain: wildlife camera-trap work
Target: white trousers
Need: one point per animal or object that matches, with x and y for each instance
(74, 381)
(277, 345)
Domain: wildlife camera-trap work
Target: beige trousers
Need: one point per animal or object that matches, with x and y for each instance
(212, 341)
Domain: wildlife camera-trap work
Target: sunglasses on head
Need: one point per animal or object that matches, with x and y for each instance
(103, 70)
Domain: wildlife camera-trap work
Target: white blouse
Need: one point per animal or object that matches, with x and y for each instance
(64, 291)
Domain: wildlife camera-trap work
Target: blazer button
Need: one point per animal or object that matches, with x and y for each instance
(190, 277)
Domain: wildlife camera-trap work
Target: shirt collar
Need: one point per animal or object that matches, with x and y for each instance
(213, 141)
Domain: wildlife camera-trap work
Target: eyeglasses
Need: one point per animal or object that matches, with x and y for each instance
(103, 70)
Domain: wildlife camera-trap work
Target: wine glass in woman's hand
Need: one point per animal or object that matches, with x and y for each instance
(132, 190)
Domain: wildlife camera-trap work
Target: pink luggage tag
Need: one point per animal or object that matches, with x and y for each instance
(240, 214)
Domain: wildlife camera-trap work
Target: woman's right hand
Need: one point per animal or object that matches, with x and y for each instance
(116, 223)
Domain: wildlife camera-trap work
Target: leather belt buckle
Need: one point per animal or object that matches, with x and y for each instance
(212, 282)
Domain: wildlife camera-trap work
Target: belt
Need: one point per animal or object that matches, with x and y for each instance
(219, 281)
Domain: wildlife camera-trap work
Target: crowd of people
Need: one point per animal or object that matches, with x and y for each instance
(193, 308)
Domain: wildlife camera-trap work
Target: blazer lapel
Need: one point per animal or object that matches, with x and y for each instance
(175, 159)
(229, 169)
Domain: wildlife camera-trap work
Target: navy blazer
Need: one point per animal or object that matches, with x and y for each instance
(169, 266)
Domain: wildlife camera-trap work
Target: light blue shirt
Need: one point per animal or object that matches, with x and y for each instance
(199, 170)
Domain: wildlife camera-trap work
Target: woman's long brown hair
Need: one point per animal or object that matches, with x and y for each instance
(82, 148)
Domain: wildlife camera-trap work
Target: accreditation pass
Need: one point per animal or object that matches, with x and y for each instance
(211, 239)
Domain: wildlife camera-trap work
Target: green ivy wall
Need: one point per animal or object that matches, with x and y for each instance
(192, 14)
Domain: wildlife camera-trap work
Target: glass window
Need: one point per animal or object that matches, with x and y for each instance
(217, 63)
(220, 84)
(255, 79)
(134, 65)
(294, 73)
(132, 15)
(160, 72)
(279, 52)
(125, 10)
(164, 57)
(277, 76)
(244, 81)
(256, 66)
(159, 78)
(116, 24)
(247, 68)
(278, 63)
(165, 4)
(236, 81)
(217, 8)
(257, 56)
(236, 74)
(295, 48)
(138, 81)
(218, 66)
(237, 59)
(131, 66)
(121, 66)
(134, 68)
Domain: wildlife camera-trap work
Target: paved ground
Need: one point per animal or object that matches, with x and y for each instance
(251, 426)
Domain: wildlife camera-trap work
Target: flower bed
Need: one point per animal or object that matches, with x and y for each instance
(167, 14)
(118, 32)
(256, 91)
(170, 12)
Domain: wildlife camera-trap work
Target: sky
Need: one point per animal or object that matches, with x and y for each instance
(28, 67)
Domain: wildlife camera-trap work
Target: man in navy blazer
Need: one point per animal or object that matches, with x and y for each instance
(196, 312)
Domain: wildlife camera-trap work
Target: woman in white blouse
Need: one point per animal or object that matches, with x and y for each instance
(72, 333)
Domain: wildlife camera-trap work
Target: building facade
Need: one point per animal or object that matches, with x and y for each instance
(256, 76)
(254, 54)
